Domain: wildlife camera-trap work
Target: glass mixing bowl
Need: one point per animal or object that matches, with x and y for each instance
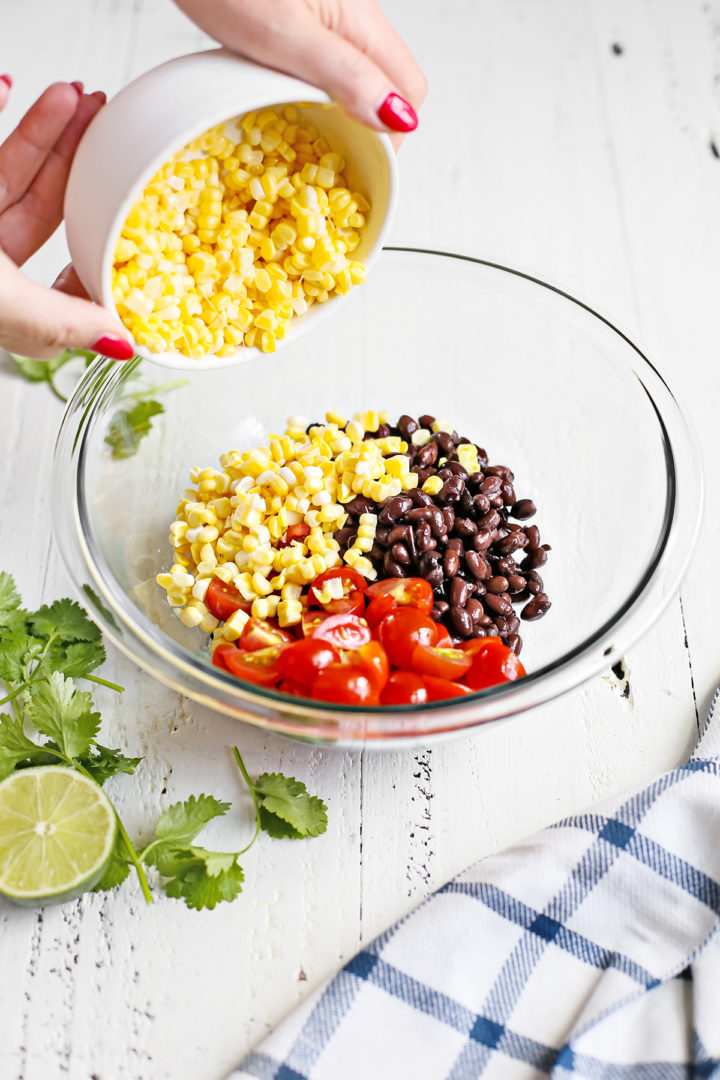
(546, 385)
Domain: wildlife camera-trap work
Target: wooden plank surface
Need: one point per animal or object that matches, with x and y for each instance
(573, 140)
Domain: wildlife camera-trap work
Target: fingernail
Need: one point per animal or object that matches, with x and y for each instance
(116, 348)
(78, 86)
(398, 114)
(7, 79)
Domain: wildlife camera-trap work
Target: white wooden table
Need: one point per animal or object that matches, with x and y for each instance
(577, 140)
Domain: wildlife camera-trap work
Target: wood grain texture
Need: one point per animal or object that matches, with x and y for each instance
(574, 140)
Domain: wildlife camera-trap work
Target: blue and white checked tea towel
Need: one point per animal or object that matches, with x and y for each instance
(589, 950)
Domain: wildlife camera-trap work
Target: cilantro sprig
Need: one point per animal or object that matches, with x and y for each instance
(42, 653)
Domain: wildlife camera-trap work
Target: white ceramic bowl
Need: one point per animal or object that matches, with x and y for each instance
(160, 112)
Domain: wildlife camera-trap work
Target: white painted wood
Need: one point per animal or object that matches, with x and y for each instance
(540, 147)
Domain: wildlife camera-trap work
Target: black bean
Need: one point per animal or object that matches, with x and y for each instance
(477, 565)
(435, 578)
(392, 569)
(497, 584)
(466, 504)
(535, 608)
(491, 631)
(423, 537)
(465, 527)
(451, 490)
(397, 535)
(382, 432)
(475, 480)
(533, 534)
(456, 544)
(523, 508)
(514, 642)
(420, 498)
(513, 542)
(445, 442)
(491, 485)
(482, 540)
(437, 523)
(451, 562)
(516, 583)
(501, 605)
(500, 470)
(381, 535)
(457, 469)
(400, 554)
(475, 610)
(512, 623)
(426, 420)
(345, 535)
(360, 505)
(533, 559)
(461, 621)
(491, 520)
(449, 515)
(406, 426)
(508, 493)
(420, 513)
(422, 474)
(459, 592)
(394, 509)
(427, 455)
(376, 553)
(440, 608)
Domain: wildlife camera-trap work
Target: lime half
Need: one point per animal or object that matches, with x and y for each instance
(57, 831)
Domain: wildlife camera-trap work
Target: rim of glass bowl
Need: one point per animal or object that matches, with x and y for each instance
(398, 725)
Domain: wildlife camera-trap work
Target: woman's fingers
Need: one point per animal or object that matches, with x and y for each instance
(33, 218)
(23, 153)
(68, 282)
(40, 322)
(304, 39)
(363, 23)
(5, 87)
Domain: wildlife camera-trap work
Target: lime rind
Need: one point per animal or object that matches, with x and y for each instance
(57, 833)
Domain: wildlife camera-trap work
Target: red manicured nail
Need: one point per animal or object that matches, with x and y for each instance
(398, 114)
(7, 79)
(116, 348)
(78, 86)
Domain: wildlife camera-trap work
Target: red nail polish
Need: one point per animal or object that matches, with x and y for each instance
(398, 114)
(116, 348)
(7, 79)
(78, 86)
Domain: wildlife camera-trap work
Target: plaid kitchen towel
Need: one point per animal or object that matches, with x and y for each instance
(589, 950)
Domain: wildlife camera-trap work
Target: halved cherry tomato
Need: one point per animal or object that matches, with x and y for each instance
(294, 532)
(492, 663)
(440, 663)
(412, 592)
(311, 620)
(439, 689)
(401, 631)
(223, 599)
(258, 667)
(344, 631)
(352, 602)
(261, 634)
(302, 660)
(344, 684)
(373, 660)
(404, 688)
(379, 607)
(443, 639)
(219, 653)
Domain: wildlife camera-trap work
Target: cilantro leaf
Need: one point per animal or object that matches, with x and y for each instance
(62, 712)
(10, 602)
(16, 649)
(15, 747)
(286, 808)
(64, 619)
(183, 820)
(129, 426)
(204, 878)
(117, 869)
(102, 762)
(76, 660)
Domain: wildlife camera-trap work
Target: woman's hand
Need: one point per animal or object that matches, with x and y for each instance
(347, 47)
(34, 165)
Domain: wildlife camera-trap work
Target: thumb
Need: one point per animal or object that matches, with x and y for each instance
(40, 322)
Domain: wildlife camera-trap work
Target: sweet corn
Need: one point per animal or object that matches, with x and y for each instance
(222, 250)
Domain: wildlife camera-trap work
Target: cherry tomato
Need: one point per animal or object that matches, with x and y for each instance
(401, 631)
(404, 688)
(440, 663)
(352, 602)
(287, 686)
(439, 689)
(310, 621)
(223, 599)
(344, 684)
(301, 661)
(492, 663)
(219, 653)
(411, 592)
(294, 532)
(344, 631)
(373, 660)
(443, 639)
(379, 607)
(260, 634)
(258, 667)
